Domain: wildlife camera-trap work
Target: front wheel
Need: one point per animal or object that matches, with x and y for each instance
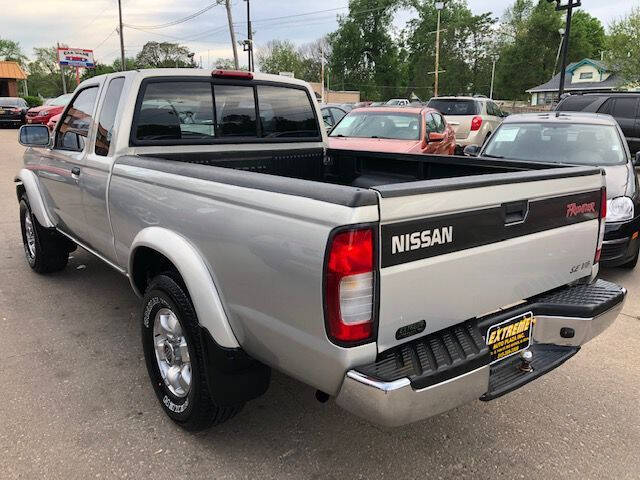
(46, 251)
(174, 356)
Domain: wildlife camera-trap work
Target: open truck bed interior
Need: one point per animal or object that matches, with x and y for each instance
(335, 173)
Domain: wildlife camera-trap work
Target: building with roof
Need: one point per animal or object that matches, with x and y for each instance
(585, 76)
(10, 73)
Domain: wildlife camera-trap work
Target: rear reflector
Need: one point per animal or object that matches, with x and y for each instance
(349, 286)
(239, 74)
(603, 216)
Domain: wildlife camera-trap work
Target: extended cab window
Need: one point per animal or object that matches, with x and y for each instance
(286, 112)
(76, 123)
(235, 111)
(108, 116)
(176, 111)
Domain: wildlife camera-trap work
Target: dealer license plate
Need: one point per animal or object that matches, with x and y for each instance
(510, 337)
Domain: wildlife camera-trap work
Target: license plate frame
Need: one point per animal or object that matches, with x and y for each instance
(510, 337)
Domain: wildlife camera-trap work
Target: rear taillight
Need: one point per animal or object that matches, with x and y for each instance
(349, 286)
(603, 217)
(476, 123)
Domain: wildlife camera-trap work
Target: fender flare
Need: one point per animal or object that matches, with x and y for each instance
(195, 273)
(28, 180)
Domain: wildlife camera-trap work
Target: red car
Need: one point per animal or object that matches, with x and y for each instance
(53, 122)
(394, 130)
(51, 107)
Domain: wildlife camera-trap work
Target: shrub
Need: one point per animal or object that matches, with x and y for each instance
(33, 101)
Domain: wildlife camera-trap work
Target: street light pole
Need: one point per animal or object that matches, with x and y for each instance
(555, 65)
(493, 76)
(439, 7)
(567, 34)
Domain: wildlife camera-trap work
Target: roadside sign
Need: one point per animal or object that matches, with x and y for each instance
(76, 57)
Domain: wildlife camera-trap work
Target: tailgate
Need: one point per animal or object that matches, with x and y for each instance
(461, 124)
(452, 250)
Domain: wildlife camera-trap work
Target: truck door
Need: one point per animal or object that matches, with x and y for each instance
(61, 166)
(95, 175)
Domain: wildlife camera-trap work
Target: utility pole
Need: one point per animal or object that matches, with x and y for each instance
(567, 34)
(249, 38)
(493, 76)
(322, 73)
(227, 4)
(64, 82)
(439, 7)
(121, 36)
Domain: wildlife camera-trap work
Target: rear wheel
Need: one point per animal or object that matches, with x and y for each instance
(46, 250)
(174, 356)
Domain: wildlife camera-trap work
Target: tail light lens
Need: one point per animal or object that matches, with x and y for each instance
(476, 123)
(603, 217)
(349, 286)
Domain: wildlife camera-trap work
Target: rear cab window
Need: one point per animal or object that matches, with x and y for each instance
(204, 111)
(455, 106)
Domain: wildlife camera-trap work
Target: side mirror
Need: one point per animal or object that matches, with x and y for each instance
(636, 160)
(471, 150)
(435, 137)
(34, 135)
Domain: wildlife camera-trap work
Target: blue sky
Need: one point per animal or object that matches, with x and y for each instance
(91, 23)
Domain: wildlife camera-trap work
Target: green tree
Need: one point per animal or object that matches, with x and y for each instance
(280, 56)
(164, 55)
(365, 56)
(224, 64)
(623, 47)
(587, 39)
(10, 50)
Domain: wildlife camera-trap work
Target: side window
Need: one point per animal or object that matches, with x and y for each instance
(338, 114)
(75, 125)
(432, 126)
(625, 107)
(606, 107)
(176, 111)
(235, 111)
(108, 116)
(439, 122)
(286, 113)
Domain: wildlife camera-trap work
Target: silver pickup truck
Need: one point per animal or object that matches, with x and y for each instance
(400, 285)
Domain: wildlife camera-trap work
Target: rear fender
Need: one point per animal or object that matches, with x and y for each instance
(197, 278)
(28, 181)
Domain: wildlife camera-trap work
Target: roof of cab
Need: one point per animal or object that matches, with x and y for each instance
(555, 117)
(195, 72)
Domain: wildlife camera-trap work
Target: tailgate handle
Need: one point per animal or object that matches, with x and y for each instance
(515, 212)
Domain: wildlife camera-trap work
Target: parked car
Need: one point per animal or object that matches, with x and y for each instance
(377, 104)
(397, 102)
(366, 103)
(331, 115)
(624, 107)
(394, 129)
(53, 121)
(252, 246)
(51, 107)
(580, 138)
(474, 119)
(13, 111)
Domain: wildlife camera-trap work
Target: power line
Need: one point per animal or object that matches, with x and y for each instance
(106, 38)
(175, 22)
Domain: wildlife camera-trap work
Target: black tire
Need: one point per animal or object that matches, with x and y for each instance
(195, 411)
(631, 264)
(49, 250)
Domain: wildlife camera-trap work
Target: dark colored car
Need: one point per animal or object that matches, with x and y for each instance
(624, 107)
(581, 139)
(13, 111)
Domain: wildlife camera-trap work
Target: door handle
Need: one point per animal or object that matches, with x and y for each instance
(515, 212)
(75, 173)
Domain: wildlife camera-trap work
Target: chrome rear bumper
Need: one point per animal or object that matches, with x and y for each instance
(397, 403)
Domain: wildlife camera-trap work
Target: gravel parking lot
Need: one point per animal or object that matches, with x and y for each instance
(77, 402)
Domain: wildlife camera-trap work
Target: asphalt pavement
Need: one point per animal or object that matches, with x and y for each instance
(77, 403)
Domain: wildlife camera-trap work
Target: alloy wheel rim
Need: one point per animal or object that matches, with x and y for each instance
(30, 235)
(172, 352)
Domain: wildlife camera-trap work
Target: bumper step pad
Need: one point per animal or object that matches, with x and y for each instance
(506, 376)
(432, 359)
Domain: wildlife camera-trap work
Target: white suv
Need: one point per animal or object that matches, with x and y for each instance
(473, 119)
